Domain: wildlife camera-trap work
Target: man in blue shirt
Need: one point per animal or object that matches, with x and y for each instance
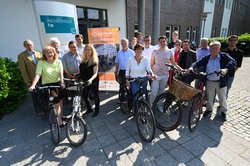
(220, 62)
(203, 50)
(121, 64)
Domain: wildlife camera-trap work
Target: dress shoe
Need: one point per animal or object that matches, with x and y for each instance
(95, 114)
(223, 117)
(88, 111)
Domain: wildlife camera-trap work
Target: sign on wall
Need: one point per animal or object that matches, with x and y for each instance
(104, 35)
(58, 24)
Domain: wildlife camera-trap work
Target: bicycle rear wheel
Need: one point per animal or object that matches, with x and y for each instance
(195, 113)
(54, 127)
(145, 121)
(125, 101)
(76, 131)
(167, 111)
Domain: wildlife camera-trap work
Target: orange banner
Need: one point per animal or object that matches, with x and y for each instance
(103, 35)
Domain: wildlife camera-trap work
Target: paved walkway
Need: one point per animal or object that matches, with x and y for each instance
(113, 138)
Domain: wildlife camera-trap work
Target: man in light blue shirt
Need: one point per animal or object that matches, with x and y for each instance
(203, 50)
(121, 61)
(71, 60)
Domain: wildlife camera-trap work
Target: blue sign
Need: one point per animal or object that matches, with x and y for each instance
(58, 24)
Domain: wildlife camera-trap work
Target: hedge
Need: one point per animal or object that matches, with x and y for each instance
(12, 86)
(243, 44)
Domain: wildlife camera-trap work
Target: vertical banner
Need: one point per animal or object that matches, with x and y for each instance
(105, 40)
(56, 19)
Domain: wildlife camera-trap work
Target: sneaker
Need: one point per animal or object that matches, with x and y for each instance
(207, 113)
(223, 117)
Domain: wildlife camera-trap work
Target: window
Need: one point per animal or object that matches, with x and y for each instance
(136, 29)
(168, 33)
(90, 18)
(177, 28)
(188, 34)
(194, 34)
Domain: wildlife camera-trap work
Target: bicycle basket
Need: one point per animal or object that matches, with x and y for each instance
(182, 90)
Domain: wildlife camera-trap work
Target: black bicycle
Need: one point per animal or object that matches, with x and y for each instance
(144, 116)
(49, 108)
(76, 128)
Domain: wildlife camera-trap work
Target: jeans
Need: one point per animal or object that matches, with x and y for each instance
(135, 87)
(229, 84)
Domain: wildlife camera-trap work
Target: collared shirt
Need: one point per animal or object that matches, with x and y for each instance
(122, 58)
(33, 56)
(212, 66)
(201, 52)
(71, 63)
(136, 70)
(147, 52)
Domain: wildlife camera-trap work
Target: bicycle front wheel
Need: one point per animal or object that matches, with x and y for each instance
(167, 111)
(195, 112)
(145, 121)
(76, 131)
(54, 127)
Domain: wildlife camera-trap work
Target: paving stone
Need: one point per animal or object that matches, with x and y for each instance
(239, 161)
(120, 134)
(96, 157)
(122, 160)
(113, 150)
(105, 140)
(246, 154)
(91, 145)
(211, 159)
(195, 162)
(205, 141)
(166, 159)
(194, 147)
(234, 146)
(139, 157)
(224, 153)
(181, 154)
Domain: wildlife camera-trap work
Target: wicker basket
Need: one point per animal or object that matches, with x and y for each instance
(182, 90)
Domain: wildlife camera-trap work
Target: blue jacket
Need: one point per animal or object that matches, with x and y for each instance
(225, 62)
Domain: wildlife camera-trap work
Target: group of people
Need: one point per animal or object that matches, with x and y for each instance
(140, 59)
(53, 64)
(137, 59)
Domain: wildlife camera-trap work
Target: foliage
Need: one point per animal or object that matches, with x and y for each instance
(15, 89)
(4, 78)
(243, 44)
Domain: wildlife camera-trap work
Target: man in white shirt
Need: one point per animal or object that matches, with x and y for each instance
(148, 49)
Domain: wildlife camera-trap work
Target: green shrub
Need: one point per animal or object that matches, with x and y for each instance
(15, 88)
(4, 78)
(243, 44)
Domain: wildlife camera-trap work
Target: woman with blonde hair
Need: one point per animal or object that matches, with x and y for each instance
(89, 73)
(51, 71)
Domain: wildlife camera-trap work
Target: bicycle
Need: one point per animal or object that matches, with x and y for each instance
(49, 108)
(199, 100)
(76, 128)
(167, 107)
(144, 116)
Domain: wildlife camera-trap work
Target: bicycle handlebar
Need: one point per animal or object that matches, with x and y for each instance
(48, 87)
(76, 82)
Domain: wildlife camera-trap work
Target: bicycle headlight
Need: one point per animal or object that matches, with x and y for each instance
(51, 98)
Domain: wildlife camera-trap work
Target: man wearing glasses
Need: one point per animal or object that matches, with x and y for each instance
(236, 54)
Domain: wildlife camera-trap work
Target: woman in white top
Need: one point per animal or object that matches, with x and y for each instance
(138, 67)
